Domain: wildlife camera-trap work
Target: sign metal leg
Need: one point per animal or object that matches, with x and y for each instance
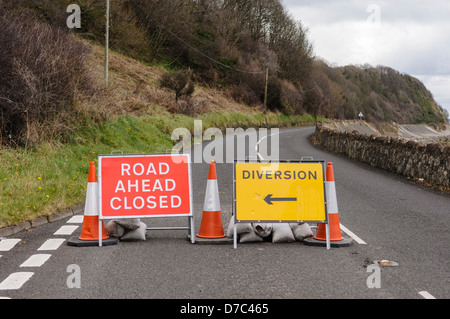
(100, 234)
(191, 222)
(235, 236)
(327, 230)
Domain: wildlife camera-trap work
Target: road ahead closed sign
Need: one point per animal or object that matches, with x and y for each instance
(280, 192)
(144, 186)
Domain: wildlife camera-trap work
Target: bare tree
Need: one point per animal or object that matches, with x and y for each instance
(179, 81)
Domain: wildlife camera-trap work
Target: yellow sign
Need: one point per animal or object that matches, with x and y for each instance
(280, 192)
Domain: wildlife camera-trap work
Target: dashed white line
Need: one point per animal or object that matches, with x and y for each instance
(426, 295)
(77, 219)
(66, 230)
(8, 244)
(52, 244)
(36, 260)
(352, 235)
(15, 280)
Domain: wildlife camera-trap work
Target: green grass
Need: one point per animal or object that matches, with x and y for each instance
(52, 177)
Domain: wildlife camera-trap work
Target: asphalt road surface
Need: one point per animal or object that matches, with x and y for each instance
(392, 218)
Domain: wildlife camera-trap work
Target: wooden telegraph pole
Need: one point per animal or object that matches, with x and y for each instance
(107, 42)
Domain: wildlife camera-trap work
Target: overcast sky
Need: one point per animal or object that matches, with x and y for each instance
(411, 36)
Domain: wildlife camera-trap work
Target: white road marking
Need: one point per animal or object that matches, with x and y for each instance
(52, 244)
(352, 235)
(15, 280)
(77, 219)
(18, 279)
(66, 230)
(426, 295)
(8, 244)
(257, 144)
(36, 260)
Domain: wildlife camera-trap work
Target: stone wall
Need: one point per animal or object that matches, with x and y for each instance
(415, 160)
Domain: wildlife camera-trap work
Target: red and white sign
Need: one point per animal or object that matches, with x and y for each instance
(144, 186)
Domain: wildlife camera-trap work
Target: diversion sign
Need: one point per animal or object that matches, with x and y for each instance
(135, 186)
(283, 192)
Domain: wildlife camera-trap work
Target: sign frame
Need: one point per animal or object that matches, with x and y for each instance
(269, 199)
(189, 215)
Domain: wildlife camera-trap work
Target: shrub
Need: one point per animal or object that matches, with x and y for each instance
(248, 88)
(42, 70)
(179, 81)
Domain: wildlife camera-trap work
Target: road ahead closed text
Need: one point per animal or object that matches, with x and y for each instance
(144, 186)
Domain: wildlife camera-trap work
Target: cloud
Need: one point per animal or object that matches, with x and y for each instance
(411, 36)
(328, 11)
(410, 48)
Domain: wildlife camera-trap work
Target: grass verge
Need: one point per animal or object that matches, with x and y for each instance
(52, 177)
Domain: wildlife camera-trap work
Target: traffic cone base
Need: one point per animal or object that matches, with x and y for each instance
(89, 234)
(77, 242)
(345, 242)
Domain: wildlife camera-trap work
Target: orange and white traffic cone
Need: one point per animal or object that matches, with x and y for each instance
(90, 229)
(336, 238)
(211, 226)
(332, 208)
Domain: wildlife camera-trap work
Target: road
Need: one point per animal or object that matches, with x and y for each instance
(395, 219)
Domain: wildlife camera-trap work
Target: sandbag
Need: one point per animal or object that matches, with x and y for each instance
(241, 228)
(114, 230)
(262, 229)
(129, 223)
(282, 233)
(249, 237)
(135, 234)
(301, 231)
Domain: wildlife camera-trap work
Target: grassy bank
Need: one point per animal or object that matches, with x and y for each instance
(52, 177)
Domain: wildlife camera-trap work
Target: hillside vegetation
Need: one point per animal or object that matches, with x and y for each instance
(132, 115)
(226, 45)
(381, 93)
(44, 169)
(171, 62)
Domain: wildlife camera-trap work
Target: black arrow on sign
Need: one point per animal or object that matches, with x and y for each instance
(269, 199)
